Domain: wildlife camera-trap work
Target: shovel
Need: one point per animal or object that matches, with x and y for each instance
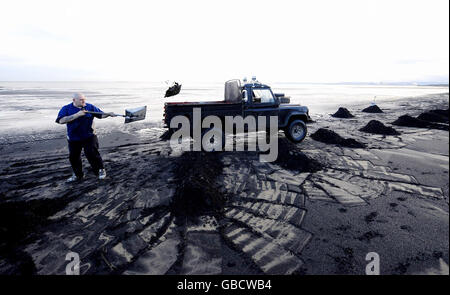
(131, 115)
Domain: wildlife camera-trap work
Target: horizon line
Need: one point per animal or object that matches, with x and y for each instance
(417, 83)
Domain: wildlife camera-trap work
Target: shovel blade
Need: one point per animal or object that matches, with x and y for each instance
(136, 114)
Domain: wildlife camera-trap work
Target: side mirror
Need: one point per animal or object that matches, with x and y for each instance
(285, 99)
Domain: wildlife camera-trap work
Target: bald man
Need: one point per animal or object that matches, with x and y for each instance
(81, 135)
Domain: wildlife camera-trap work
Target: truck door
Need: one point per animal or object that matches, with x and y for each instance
(261, 103)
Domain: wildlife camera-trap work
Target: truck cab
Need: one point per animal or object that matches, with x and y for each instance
(259, 100)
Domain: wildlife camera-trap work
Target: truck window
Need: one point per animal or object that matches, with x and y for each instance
(245, 96)
(263, 96)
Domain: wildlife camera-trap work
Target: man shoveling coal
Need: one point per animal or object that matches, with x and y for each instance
(81, 135)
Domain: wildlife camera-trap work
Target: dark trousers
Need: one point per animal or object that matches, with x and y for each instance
(90, 146)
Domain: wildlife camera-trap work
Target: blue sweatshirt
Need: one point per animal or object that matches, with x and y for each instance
(82, 127)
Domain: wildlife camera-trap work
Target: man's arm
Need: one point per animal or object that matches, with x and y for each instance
(67, 119)
(103, 115)
(106, 115)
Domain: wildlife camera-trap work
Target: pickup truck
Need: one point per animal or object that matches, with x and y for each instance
(247, 99)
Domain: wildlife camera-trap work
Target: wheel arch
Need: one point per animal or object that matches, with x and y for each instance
(295, 116)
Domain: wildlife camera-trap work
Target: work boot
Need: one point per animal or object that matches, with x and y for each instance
(73, 178)
(101, 174)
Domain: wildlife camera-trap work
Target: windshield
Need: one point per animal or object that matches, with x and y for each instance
(262, 96)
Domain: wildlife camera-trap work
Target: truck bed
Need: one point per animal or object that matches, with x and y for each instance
(199, 103)
(216, 108)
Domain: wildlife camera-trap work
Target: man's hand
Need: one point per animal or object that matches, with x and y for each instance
(81, 113)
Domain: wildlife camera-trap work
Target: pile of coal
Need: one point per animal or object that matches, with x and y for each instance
(197, 191)
(408, 121)
(372, 109)
(438, 116)
(290, 157)
(444, 113)
(331, 137)
(342, 113)
(376, 127)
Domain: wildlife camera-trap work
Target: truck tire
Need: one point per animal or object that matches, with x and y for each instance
(296, 131)
(213, 145)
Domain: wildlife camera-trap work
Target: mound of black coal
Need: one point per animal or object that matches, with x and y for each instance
(342, 113)
(290, 157)
(376, 127)
(444, 113)
(433, 117)
(408, 121)
(372, 109)
(197, 192)
(331, 137)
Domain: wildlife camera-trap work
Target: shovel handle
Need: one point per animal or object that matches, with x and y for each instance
(101, 113)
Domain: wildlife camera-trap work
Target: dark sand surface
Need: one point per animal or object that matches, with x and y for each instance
(319, 209)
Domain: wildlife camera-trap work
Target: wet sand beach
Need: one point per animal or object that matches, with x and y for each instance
(319, 209)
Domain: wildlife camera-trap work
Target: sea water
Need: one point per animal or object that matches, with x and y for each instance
(28, 109)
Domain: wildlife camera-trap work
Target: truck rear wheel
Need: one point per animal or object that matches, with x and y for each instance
(296, 131)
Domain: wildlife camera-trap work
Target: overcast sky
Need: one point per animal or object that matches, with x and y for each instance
(290, 41)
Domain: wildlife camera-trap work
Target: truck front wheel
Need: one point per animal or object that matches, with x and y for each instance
(296, 131)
